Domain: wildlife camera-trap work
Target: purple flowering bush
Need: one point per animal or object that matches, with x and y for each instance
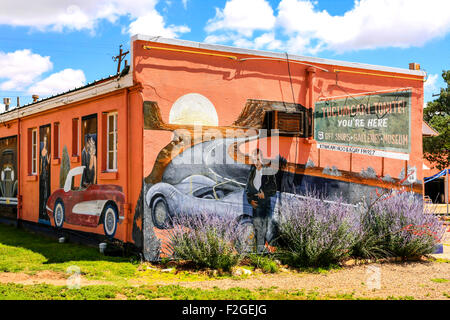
(396, 225)
(210, 241)
(313, 232)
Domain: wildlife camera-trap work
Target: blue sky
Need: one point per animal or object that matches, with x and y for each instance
(51, 46)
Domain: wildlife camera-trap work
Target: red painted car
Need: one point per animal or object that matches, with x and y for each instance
(87, 206)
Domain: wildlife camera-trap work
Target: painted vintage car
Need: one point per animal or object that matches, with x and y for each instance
(8, 178)
(87, 206)
(195, 195)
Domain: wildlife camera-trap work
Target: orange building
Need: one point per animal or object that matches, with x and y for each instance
(174, 133)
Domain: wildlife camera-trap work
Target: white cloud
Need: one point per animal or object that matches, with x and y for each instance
(299, 26)
(153, 24)
(430, 84)
(243, 17)
(45, 15)
(370, 24)
(267, 40)
(21, 68)
(185, 2)
(59, 82)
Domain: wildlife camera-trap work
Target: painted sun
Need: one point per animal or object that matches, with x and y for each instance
(193, 109)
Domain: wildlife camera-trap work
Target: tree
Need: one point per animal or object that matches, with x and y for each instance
(437, 115)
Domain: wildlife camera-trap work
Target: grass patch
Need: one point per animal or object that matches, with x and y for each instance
(440, 260)
(23, 251)
(439, 280)
(400, 298)
(172, 292)
(321, 270)
(265, 263)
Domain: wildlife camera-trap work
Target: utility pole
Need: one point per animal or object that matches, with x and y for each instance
(120, 57)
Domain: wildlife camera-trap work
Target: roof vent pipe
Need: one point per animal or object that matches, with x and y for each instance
(7, 102)
(414, 66)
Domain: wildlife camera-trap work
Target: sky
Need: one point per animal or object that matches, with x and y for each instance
(51, 46)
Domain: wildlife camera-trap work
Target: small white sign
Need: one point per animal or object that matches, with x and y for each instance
(368, 152)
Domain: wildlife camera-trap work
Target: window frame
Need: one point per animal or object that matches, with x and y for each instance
(56, 140)
(75, 137)
(34, 152)
(115, 132)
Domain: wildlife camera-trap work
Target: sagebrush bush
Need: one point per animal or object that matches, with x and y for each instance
(207, 240)
(396, 225)
(313, 232)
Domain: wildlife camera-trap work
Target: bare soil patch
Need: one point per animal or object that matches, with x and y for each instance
(47, 277)
(408, 279)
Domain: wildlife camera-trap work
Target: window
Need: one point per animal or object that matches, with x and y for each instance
(75, 138)
(56, 140)
(89, 148)
(33, 151)
(111, 154)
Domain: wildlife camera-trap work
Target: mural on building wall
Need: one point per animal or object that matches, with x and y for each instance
(86, 204)
(8, 177)
(231, 173)
(44, 171)
(89, 152)
(80, 200)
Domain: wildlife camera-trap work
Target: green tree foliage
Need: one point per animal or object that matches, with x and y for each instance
(65, 167)
(437, 114)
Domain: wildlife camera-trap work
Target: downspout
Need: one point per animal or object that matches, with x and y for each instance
(127, 144)
(18, 168)
(311, 71)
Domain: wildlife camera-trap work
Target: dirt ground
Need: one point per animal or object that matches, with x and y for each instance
(395, 279)
(379, 280)
(47, 277)
(412, 279)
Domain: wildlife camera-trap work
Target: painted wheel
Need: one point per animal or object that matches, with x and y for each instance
(59, 214)
(160, 213)
(110, 217)
(246, 236)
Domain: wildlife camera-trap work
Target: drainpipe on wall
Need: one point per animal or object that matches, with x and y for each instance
(311, 72)
(18, 166)
(127, 207)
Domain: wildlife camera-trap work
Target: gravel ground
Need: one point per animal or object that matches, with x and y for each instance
(412, 279)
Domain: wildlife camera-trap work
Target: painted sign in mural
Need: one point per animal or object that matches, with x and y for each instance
(8, 177)
(376, 121)
(44, 171)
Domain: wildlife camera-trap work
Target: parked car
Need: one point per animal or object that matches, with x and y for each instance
(87, 206)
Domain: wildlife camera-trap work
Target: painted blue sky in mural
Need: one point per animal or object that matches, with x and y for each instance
(50, 46)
